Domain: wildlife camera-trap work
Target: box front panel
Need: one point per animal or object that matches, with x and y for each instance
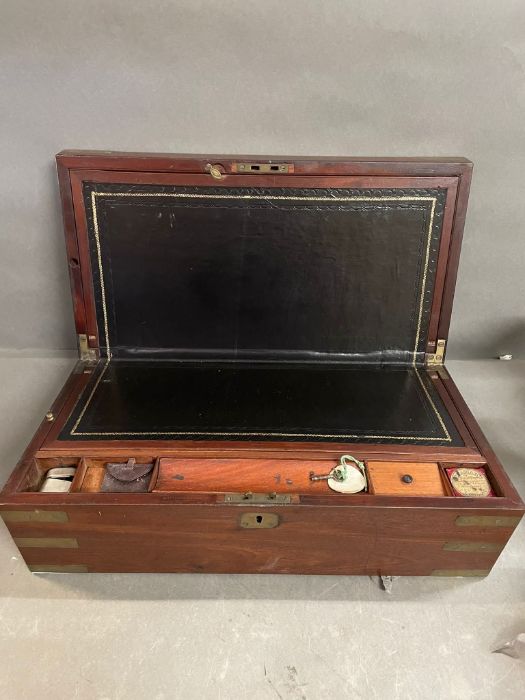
(287, 539)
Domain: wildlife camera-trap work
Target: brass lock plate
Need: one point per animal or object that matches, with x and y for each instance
(263, 168)
(258, 498)
(259, 521)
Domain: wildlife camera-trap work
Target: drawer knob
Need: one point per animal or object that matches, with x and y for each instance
(407, 479)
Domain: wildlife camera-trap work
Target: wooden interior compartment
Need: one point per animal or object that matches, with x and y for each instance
(429, 478)
(242, 475)
(91, 470)
(443, 466)
(193, 474)
(37, 469)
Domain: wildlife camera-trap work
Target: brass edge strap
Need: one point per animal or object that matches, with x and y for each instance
(34, 516)
(461, 572)
(47, 542)
(473, 546)
(487, 520)
(58, 568)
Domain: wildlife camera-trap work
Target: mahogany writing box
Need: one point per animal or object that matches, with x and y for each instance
(243, 323)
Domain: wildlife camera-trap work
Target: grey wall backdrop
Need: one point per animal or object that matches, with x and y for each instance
(282, 77)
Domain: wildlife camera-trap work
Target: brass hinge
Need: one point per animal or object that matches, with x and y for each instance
(436, 359)
(87, 354)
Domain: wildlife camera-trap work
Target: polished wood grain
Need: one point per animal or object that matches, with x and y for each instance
(248, 449)
(308, 165)
(308, 540)
(90, 481)
(18, 480)
(458, 225)
(457, 419)
(240, 475)
(73, 255)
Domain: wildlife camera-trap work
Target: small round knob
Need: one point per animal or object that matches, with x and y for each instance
(407, 479)
(50, 416)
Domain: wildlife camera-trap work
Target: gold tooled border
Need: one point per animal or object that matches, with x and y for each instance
(181, 195)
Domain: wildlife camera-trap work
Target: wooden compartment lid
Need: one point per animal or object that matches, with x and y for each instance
(406, 479)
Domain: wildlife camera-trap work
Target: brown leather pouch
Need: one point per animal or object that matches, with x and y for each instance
(127, 477)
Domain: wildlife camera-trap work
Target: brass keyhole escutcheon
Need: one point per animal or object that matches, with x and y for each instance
(261, 521)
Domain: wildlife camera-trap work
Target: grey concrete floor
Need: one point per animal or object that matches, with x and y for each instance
(101, 637)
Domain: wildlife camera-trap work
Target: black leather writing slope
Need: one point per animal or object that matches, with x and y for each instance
(333, 286)
(241, 401)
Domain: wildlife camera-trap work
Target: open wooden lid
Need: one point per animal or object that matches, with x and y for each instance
(292, 259)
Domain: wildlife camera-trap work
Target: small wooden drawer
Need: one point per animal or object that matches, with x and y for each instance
(405, 479)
